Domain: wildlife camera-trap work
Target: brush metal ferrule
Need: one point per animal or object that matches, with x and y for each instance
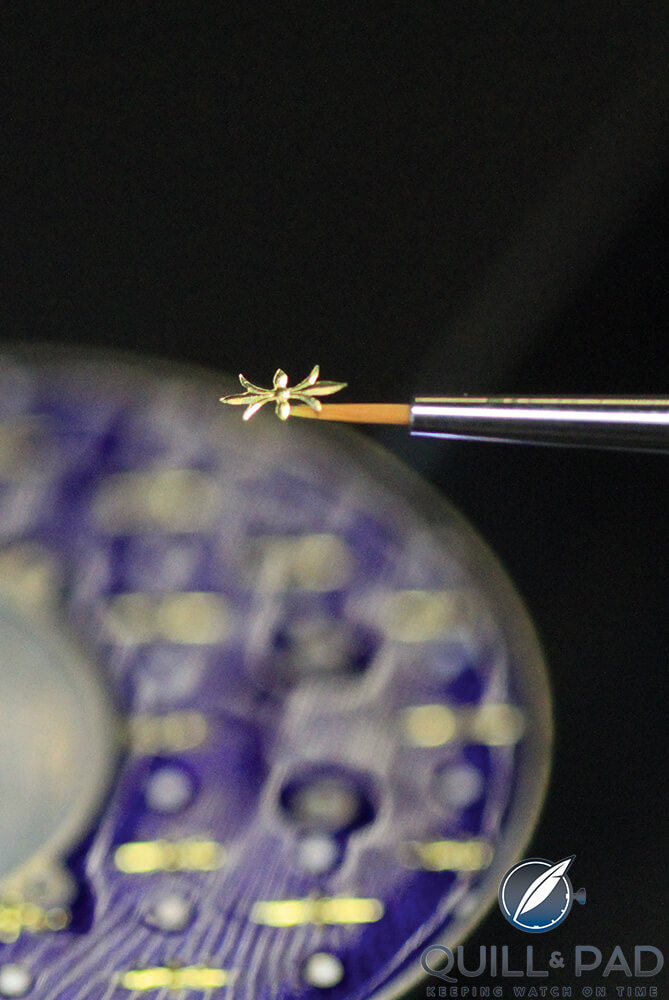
(619, 422)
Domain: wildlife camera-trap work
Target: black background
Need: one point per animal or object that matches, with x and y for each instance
(443, 198)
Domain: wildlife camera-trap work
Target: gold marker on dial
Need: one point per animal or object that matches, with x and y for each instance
(282, 394)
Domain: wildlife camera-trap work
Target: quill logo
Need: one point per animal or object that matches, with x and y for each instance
(537, 895)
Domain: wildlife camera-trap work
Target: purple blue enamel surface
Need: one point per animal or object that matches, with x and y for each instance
(319, 681)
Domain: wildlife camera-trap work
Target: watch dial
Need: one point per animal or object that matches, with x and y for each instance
(272, 718)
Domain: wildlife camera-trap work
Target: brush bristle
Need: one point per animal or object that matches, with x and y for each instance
(357, 413)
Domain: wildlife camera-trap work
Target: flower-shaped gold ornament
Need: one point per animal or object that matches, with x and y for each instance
(282, 394)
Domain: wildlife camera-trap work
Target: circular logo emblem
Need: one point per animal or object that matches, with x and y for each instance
(536, 895)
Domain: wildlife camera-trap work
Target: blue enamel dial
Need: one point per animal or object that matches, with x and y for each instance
(308, 725)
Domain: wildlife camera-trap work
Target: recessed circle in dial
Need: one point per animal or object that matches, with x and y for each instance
(57, 741)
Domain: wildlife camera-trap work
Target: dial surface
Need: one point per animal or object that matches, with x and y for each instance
(336, 712)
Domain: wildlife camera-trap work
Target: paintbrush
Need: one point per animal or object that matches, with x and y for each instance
(631, 423)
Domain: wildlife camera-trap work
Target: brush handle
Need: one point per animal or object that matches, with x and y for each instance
(620, 422)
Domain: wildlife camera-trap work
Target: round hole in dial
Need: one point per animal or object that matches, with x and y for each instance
(169, 789)
(331, 800)
(458, 786)
(323, 970)
(320, 647)
(318, 852)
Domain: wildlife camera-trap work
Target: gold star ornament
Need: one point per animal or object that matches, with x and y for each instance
(283, 394)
